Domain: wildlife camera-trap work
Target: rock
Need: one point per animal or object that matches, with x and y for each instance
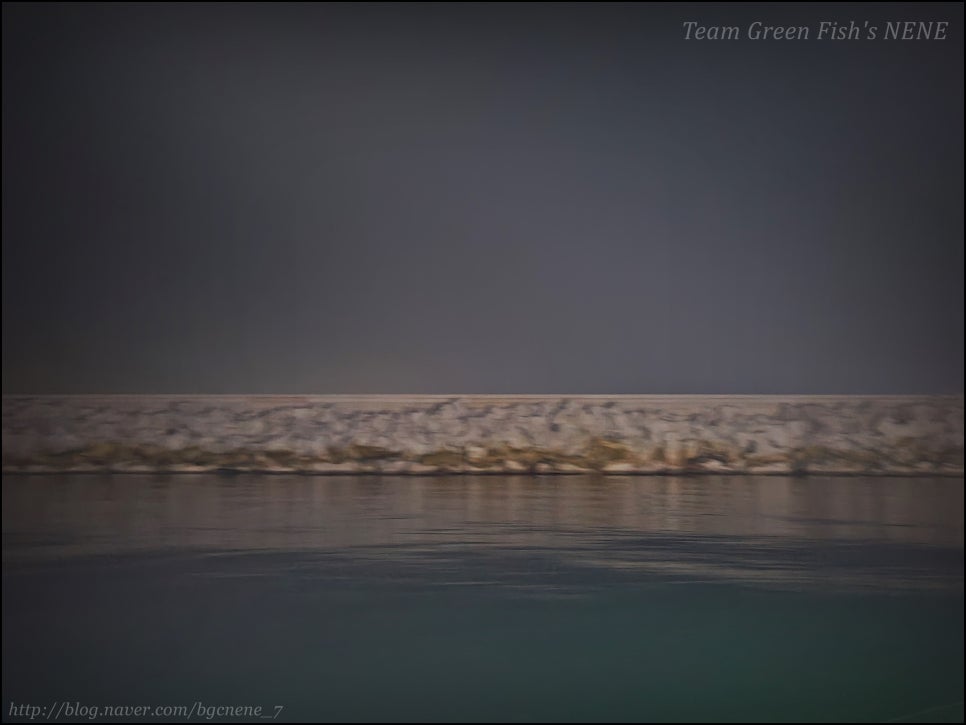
(620, 468)
(448, 459)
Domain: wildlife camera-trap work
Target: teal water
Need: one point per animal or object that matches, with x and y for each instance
(484, 598)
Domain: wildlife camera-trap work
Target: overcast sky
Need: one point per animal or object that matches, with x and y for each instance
(494, 198)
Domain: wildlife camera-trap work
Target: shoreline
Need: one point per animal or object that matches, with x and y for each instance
(905, 435)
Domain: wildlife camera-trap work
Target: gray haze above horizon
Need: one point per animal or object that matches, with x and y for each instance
(443, 198)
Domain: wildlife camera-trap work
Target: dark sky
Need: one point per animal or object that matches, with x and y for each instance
(480, 199)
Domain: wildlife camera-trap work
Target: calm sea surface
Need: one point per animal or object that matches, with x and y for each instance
(483, 598)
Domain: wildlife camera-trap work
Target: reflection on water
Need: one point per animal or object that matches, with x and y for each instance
(889, 532)
(488, 599)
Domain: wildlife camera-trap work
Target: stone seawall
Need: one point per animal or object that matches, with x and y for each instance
(394, 434)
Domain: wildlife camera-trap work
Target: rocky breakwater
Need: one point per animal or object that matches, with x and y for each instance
(485, 434)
